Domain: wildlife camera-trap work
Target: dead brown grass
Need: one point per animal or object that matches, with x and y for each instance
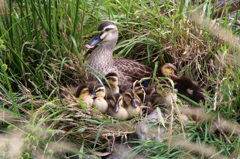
(202, 149)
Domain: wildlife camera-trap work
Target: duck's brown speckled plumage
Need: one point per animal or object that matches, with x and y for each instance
(101, 59)
(133, 68)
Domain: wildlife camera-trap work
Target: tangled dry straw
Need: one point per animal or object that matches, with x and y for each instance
(204, 149)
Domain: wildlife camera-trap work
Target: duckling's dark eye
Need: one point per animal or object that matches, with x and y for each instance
(100, 90)
(84, 91)
(112, 79)
(119, 100)
(128, 95)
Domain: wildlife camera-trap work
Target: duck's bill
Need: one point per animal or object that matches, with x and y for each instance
(134, 104)
(175, 90)
(116, 108)
(94, 42)
(93, 95)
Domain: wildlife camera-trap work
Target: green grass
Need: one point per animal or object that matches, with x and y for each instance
(42, 50)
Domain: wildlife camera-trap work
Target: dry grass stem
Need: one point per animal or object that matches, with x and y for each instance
(217, 30)
(198, 114)
(202, 149)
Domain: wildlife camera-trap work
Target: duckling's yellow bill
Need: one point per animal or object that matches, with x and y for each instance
(94, 42)
(93, 95)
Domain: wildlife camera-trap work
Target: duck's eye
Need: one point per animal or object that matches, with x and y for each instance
(129, 96)
(100, 90)
(108, 29)
(119, 100)
(112, 79)
(166, 92)
(84, 90)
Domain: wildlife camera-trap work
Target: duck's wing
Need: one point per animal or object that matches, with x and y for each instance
(133, 68)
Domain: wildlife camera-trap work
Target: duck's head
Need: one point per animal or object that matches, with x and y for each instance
(99, 91)
(108, 33)
(129, 98)
(116, 101)
(166, 94)
(163, 89)
(82, 91)
(112, 79)
(168, 70)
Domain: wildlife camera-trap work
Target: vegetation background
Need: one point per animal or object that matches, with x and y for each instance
(42, 51)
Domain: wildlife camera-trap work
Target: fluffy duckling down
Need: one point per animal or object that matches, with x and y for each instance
(85, 94)
(163, 95)
(111, 84)
(116, 109)
(99, 100)
(188, 88)
(132, 103)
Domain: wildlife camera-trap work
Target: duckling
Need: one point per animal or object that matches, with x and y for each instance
(132, 103)
(150, 91)
(188, 88)
(99, 100)
(163, 95)
(85, 93)
(116, 109)
(72, 89)
(166, 70)
(113, 83)
(101, 59)
(139, 90)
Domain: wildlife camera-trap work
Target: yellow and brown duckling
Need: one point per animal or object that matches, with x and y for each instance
(115, 107)
(188, 88)
(166, 70)
(111, 84)
(85, 94)
(99, 100)
(163, 96)
(132, 103)
(150, 91)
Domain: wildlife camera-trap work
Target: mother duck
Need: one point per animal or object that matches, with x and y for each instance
(101, 58)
